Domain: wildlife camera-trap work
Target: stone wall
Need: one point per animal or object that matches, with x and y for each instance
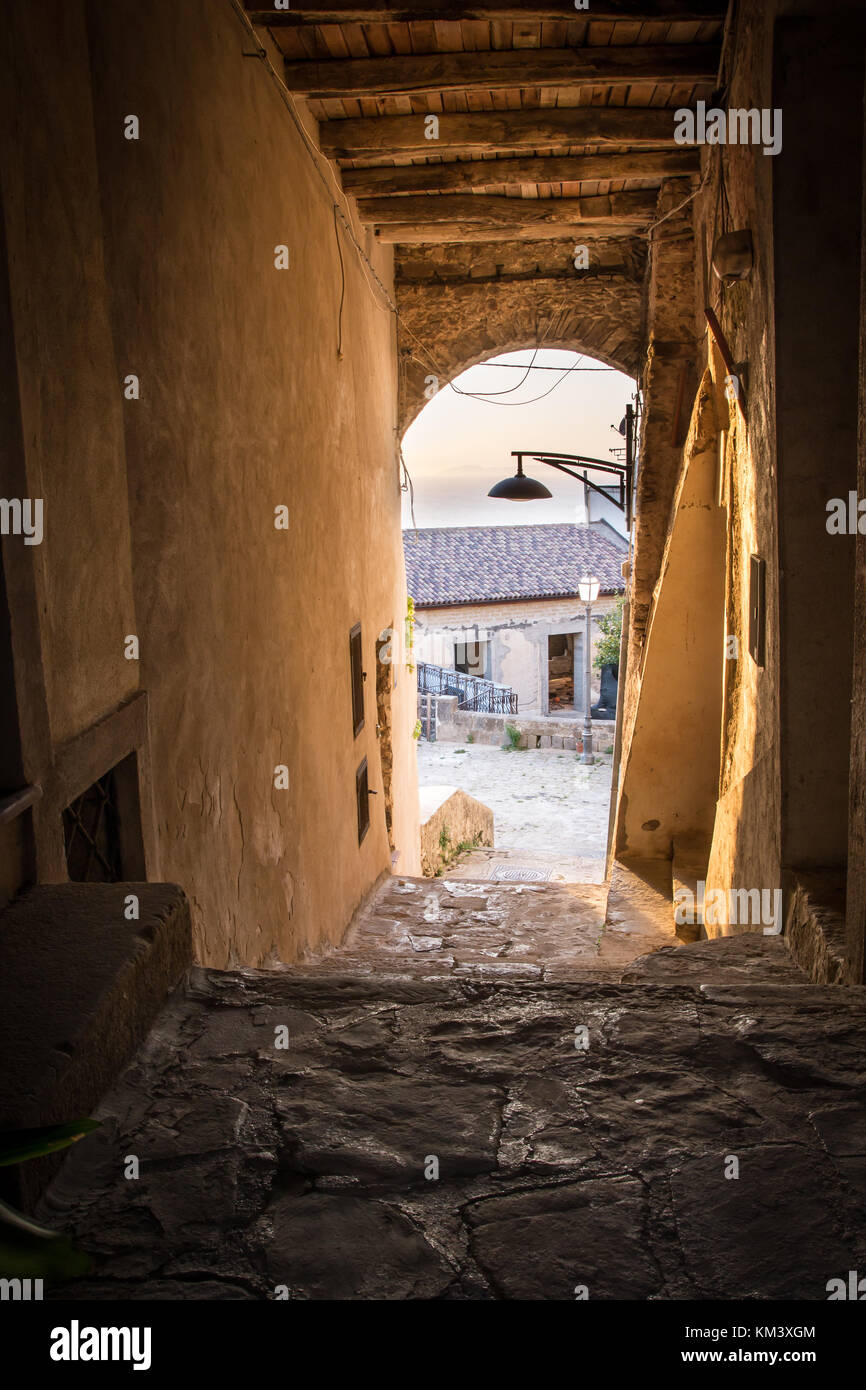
(773, 790)
(156, 257)
(449, 818)
(458, 307)
(455, 725)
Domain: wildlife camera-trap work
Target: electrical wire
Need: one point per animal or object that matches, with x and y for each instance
(342, 287)
(486, 399)
(487, 395)
(539, 367)
(408, 486)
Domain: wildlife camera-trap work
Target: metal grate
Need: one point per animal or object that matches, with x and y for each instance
(510, 872)
(91, 833)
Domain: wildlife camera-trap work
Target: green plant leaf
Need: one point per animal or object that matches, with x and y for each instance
(17, 1145)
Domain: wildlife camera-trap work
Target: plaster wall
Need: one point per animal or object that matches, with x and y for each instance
(69, 399)
(162, 509)
(669, 780)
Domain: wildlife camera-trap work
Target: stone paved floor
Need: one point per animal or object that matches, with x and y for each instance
(430, 929)
(549, 809)
(310, 1167)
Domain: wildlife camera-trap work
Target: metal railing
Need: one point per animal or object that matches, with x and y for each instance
(473, 693)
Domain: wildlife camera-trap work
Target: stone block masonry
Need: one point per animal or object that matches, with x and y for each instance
(450, 817)
(460, 725)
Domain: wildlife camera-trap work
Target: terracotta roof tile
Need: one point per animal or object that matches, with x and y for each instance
(491, 564)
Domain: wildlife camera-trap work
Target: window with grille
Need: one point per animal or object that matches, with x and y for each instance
(362, 796)
(102, 829)
(92, 835)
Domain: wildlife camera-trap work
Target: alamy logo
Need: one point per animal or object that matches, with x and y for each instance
(77, 1343)
(855, 1290)
(738, 126)
(846, 518)
(20, 1290)
(22, 517)
(739, 907)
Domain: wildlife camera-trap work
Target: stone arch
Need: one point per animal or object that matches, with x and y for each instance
(447, 328)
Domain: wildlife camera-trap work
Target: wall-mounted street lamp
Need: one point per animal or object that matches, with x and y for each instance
(520, 488)
(588, 588)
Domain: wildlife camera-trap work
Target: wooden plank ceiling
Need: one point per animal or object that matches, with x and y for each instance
(552, 122)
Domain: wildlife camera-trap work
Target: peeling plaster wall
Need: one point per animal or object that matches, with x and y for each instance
(165, 268)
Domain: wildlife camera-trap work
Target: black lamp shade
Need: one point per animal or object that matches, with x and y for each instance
(520, 489)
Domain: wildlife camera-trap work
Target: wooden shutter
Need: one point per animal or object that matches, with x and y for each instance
(357, 667)
(362, 796)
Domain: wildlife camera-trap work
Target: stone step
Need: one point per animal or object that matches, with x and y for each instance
(639, 917)
(815, 927)
(690, 860)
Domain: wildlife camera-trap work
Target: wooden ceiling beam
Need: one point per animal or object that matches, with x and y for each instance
(301, 12)
(445, 233)
(433, 283)
(499, 131)
(633, 207)
(502, 70)
(413, 221)
(488, 173)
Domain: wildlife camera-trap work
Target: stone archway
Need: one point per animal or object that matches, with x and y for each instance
(458, 307)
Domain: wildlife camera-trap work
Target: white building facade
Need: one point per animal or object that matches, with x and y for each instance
(531, 641)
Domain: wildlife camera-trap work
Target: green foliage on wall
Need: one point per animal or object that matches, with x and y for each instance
(610, 625)
(410, 634)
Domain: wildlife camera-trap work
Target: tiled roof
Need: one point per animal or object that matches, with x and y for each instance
(490, 564)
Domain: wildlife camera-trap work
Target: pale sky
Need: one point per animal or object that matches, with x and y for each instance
(458, 447)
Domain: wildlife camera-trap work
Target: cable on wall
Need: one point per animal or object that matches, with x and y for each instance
(342, 286)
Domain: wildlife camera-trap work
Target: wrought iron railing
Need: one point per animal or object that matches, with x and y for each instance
(473, 693)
